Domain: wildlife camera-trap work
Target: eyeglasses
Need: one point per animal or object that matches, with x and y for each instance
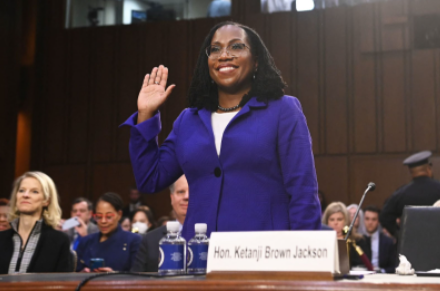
(108, 216)
(233, 50)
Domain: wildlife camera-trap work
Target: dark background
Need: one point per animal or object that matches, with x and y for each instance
(369, 96)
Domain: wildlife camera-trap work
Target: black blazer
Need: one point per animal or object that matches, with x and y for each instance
(52, 253)
(387, 253)
(147, 257)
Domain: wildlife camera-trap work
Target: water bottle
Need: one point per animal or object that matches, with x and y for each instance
(172, 251)
(198, 250)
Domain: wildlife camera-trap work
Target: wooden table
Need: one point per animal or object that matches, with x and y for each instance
(46, 282)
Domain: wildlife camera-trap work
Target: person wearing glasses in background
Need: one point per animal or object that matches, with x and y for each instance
(242, 144)
(116, 246)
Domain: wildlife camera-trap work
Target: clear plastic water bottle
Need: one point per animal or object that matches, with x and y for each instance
(172, 251)
(198, 250)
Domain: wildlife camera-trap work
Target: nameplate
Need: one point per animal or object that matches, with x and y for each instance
(302, 251)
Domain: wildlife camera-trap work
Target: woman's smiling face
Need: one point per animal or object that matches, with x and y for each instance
(232, 74)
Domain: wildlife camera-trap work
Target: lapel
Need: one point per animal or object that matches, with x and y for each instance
(205, 114)
(40, 243)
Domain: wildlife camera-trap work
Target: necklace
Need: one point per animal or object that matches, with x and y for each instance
(228, 109)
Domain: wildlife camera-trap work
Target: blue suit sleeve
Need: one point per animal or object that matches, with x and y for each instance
(298, 167)
(82, 257)
(154, 167)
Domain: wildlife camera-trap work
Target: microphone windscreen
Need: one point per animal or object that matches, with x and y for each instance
(372, 186)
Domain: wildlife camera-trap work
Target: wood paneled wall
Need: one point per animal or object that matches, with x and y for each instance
(369, 98)
(10, 33)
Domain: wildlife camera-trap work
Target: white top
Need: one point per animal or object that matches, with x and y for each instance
(219, 122)
(375, 249)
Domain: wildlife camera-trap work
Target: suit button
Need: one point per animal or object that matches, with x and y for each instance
(217, 172)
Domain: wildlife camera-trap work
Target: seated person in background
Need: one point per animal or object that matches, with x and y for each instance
(143, 220)
(117, 247)
(32, 245)
(125, 223)
(147, 258)
(82, 209)
(135, 202)
(359, 224)
(382, 251)
(162, 221)
(336, 216)
(4, 210)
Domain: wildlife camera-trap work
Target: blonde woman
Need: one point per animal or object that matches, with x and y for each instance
(32, 245)
(336, 216)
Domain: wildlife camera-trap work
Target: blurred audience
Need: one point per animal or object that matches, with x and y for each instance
(382, 251)
(163, 220)
(125, 223)
(148, 255)
(32, 245)
(82, 209)
(359, 224)
(336, 216)
(143, 220)
(4, 210)
(135, 202)
(116, 247)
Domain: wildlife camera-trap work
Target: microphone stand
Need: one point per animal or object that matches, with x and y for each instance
(364, 258)
(371, 187)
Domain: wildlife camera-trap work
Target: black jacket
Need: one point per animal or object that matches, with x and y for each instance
(421, 191)
(147, 258)
(52, 253)
(387, 253)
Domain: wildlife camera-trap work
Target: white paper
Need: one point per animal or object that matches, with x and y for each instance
(69, 223)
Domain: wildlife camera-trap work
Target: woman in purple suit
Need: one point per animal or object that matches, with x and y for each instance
(243, 145)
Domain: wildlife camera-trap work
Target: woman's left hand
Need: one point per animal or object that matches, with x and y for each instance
(103, 270)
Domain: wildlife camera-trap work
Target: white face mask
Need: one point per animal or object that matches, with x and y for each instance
(141, 227)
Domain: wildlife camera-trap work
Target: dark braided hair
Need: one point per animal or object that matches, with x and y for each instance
(267, 85)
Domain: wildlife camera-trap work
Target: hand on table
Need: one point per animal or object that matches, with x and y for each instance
(81, 229)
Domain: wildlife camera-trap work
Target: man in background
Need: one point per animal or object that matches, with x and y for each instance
(423, 190)
(147, 258)
(382, 251)
(4, 211)
(82, 209)
(135, 202)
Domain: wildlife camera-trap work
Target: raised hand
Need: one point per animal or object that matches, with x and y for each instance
(81, 229)
(153, 93)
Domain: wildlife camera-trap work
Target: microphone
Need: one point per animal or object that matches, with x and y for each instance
(371, 186)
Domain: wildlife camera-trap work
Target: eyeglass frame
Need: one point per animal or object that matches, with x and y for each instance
(227, 51)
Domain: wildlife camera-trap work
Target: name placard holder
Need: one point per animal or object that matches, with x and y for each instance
(273, 255)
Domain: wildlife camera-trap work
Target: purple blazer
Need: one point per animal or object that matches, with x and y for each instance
(264, 178)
